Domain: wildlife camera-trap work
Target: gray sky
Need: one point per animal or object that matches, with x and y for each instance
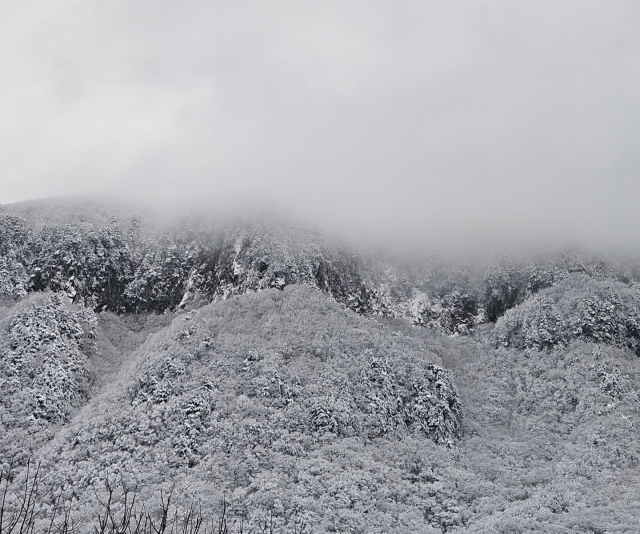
(475, 119)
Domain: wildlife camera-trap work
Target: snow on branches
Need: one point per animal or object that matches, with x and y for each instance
(42, 361)
(576, 308)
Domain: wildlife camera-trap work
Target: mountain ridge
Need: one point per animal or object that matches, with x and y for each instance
(259, 363)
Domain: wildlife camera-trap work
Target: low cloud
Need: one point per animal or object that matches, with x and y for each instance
(433, 121)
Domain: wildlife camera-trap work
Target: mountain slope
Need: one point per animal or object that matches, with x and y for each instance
(285, 403)
(248, 397)
(144, 265)
(230, 361)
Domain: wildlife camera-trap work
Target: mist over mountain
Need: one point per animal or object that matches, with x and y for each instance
(351, 267)
(255, 361)
(419, 121)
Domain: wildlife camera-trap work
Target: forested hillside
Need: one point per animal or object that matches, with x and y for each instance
(143, 265)
(317, 387)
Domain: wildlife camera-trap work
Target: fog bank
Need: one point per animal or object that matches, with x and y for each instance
(421, 122)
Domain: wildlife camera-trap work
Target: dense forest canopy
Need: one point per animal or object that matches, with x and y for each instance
(258, 362)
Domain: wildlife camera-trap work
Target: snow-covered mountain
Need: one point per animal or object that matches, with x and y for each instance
(258, 362)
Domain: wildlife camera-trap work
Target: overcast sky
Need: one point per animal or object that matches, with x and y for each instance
(427, 118)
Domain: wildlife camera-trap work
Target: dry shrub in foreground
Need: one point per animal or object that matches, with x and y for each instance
(23, 511)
